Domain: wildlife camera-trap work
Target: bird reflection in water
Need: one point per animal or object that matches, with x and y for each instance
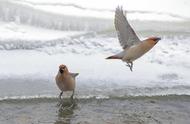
(65, 111)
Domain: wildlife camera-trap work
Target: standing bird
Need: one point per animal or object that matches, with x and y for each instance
(133, 48)
(65, 80)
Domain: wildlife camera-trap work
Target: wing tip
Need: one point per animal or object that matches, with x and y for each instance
(120, 12)
(119, 8)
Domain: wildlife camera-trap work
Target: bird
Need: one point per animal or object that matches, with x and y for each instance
(133, 47)
(65, 80)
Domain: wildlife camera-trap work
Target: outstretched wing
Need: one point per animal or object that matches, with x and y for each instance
(127, 36)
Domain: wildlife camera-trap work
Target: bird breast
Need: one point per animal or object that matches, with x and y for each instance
(65, 83)
(136, 51)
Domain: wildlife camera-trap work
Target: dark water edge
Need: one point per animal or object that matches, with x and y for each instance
(171, 109)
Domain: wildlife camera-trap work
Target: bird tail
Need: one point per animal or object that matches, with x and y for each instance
(74, 74)
(117, 56)
(114, 57)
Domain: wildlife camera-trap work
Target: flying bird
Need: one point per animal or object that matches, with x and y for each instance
(133, 47)
(65, 80)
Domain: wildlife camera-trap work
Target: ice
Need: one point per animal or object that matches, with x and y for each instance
(11, 11)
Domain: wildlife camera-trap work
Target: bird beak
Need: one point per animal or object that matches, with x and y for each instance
(61, 71)
(158, 39)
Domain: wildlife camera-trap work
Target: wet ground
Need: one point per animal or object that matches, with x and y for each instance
(134, 110)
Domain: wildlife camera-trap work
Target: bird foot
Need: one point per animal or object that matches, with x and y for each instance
(130, 65)
(131, 68)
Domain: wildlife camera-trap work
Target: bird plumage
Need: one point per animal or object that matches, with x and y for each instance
(126, 35)
(133, 48)
(65, 80)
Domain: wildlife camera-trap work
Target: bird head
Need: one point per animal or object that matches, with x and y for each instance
(63, 69)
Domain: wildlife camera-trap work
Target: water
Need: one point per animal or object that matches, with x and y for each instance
(140, 110)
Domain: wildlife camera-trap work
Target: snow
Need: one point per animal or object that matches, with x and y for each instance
(86, 8)
(14, 31)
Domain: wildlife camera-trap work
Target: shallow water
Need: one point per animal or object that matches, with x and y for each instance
(131, 110)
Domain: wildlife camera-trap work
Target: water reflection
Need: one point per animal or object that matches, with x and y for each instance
(65, 111)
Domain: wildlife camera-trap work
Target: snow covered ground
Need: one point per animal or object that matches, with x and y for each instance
(14, 31)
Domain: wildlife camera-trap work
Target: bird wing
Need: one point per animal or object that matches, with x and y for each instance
(126, 35)
(74, 74)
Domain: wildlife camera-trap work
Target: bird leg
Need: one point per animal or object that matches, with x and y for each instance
(72, 95)
(60, 95)
(60, 101)
(131, 68)
(130, 65)
(72, 99)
